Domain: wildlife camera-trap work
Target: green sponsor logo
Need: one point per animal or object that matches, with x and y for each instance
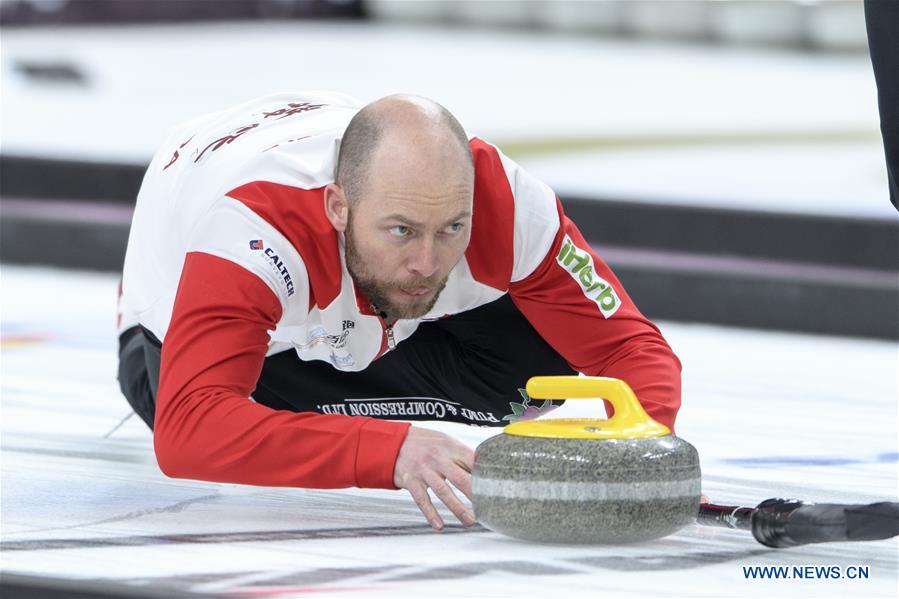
(579, 264)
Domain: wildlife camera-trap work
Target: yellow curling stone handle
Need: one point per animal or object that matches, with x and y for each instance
(630, 420)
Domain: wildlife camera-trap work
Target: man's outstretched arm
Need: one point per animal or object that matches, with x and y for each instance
(206, 426)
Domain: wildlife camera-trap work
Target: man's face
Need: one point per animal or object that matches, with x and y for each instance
(405, 236)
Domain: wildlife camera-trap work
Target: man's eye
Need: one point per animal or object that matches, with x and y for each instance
(399, 230)
(454, 228)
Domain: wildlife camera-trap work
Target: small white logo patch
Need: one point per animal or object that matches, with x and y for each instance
(579, 265)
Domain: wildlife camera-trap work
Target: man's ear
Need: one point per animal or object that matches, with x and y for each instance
(336, 206)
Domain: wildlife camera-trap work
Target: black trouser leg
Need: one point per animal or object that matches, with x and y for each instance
(139, 371)
(882, 21)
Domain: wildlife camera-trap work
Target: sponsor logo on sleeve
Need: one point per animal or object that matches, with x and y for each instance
(579, 264)
(276, 264)
(281, 269)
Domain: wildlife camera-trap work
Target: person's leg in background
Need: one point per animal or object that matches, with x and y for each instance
(882, 20)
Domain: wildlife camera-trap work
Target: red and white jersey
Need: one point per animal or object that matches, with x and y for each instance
(231, 258)
(247, 186)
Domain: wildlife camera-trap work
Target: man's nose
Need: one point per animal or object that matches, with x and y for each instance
(423, 260)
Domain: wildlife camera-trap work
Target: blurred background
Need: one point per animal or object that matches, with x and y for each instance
(724, 157)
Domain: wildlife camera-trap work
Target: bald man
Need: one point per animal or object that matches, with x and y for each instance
(304, 275)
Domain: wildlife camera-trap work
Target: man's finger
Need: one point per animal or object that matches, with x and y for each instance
(461, 479)
(423, 501)
(465, 459)
(442, 489)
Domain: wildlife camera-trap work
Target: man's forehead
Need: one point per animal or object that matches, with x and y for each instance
(424, 180)
(451, 201)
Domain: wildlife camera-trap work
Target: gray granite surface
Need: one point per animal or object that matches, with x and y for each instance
(586, 490)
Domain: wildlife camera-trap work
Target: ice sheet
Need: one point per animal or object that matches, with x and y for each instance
(772, 414)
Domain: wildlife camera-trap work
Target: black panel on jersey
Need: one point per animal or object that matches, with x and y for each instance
(468, 368)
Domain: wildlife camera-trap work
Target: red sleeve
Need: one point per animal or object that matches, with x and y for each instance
(624, 345)
(206, 426)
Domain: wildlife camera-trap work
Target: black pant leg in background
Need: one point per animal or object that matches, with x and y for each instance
(882, 21)
(477, 360)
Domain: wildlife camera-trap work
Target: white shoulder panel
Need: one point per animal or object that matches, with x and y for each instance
(536, 218)
(232, 231)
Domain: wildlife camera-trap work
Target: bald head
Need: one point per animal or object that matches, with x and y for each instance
(414, 134)
(403, 198)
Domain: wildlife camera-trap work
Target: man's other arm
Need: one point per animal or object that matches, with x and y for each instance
(558, 301)
(568, 293)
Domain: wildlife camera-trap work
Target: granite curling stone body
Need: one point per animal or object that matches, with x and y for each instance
(622, 480)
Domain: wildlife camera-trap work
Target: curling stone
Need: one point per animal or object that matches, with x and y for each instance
(580, 480)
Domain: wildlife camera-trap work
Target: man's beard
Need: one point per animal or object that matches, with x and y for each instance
(378, 291)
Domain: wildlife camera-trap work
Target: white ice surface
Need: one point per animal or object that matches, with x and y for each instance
(508, 87)
(772, 414)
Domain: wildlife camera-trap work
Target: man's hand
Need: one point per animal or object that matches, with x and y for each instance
(429, 459)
